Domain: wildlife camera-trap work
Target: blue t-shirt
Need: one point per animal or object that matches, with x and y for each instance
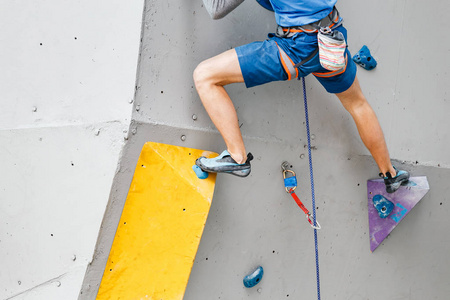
(298, 12)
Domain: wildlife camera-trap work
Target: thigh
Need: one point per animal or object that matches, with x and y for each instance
(353, 96)
(260, 63)
(222, 69)
(338, 81)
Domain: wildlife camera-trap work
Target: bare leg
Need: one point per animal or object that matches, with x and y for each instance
(210, 76)
(368, 126)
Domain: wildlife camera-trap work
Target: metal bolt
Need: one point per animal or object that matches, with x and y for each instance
(130, 101)
(19, 282)
(34, 109)
(302, 156)
(183, 137)
(97, 132)
(57, 283)
(74, 257)
(259, 290)
(133, 131)
(138, 107)
(194, 117)
(313, 136)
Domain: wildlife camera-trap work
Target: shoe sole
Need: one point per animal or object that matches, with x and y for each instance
(240, 171)
(392, 188)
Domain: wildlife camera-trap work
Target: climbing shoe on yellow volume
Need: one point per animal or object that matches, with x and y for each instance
(394, 183)
(224, 163)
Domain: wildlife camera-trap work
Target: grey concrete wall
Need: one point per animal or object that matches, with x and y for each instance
(253, 221)
(67, 84)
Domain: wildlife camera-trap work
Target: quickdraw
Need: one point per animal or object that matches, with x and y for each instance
(290, 184)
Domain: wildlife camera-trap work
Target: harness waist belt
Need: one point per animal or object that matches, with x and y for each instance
(330, 21)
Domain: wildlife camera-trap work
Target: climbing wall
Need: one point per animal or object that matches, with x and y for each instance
(70, 145)
(160, 227)
(253, 221)
(67, 85)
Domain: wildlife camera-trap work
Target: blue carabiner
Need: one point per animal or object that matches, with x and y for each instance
(290, 183)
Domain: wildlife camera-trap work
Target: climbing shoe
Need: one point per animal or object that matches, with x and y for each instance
(393, 183)
(224, 163)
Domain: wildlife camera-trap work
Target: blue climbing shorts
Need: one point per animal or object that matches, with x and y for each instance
(260, 62)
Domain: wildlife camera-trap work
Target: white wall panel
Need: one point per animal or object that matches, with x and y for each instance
(66, 90)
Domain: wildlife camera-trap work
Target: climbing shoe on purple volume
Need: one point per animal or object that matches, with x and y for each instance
(224, 163)
(393, 183)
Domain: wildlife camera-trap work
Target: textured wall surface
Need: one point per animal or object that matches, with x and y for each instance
(66, 90)
(253, 221)
(59, 172)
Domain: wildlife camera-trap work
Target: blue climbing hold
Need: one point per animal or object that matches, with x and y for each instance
(365, 59)
(382, 205)
(254, 278)
(199, 172)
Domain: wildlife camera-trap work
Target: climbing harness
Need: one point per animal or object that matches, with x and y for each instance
(331, 46)
(332, 20)
(290, 184)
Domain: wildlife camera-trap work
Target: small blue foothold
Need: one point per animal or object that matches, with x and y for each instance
(365, 59)
(254, 278)
(199, 172)
(382, 205)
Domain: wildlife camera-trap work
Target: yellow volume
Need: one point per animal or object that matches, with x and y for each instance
(160, 228)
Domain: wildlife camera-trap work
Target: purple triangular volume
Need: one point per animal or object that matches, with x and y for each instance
(404, 199)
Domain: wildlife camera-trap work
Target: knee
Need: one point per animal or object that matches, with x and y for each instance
(359, 106)
(202, 75)
(353, 101)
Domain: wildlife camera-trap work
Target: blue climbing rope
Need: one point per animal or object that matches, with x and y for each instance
(312, 187)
